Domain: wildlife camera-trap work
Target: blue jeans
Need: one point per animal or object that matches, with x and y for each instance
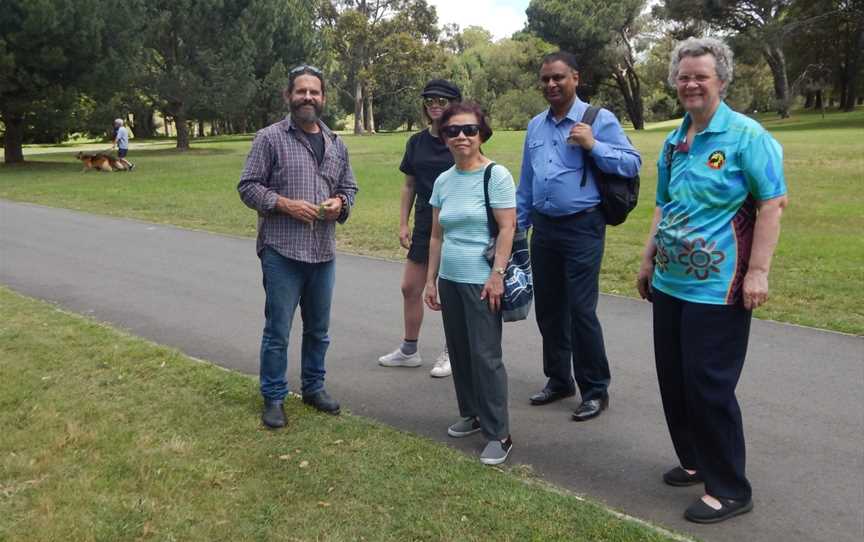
(288, 283)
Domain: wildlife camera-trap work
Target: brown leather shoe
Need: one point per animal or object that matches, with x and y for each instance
(546, 396)
(590, 409)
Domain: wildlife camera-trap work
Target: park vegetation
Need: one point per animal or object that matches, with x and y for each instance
(207, 67)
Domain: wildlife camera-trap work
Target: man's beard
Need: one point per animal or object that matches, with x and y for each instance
(304, 115)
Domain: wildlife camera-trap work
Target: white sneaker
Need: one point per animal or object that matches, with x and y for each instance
(397, 359)
(441, 369)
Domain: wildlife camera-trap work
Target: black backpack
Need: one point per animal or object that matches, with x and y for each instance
(618, 195)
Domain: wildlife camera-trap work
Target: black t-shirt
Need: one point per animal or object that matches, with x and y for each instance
(316, 141)
(425, 158)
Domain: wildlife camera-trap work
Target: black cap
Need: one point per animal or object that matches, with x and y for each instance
(442, 87)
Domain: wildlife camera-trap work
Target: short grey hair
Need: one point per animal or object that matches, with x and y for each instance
(118, 122)
(721, 52)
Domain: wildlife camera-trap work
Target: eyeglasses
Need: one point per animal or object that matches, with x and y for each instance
(440, 101)
(453, 130)
(684, 79)
(305, 67)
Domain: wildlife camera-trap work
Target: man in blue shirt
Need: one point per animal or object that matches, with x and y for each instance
(569, 232)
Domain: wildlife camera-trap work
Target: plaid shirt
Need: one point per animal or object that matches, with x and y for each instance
(281, 163)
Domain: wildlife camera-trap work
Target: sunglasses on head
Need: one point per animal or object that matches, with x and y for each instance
(440, 101)
(305, 67)
(453, 130)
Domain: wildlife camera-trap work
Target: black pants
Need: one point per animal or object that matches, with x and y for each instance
(699, 351)
(566, 254)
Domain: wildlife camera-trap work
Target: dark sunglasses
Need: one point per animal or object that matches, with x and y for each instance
(453, 130)
(440, 101)
(305, 67)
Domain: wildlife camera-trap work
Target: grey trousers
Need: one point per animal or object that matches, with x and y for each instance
(474, 342)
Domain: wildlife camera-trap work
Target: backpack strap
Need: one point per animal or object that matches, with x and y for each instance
(587, 118)
(490, 218)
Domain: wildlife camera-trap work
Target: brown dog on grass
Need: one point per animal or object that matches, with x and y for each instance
(101, 162)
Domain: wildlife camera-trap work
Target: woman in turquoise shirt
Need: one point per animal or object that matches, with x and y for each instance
(720, 195)
(469, 287)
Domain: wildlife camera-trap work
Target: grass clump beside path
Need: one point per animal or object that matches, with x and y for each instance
(108, 437)
(815, 278)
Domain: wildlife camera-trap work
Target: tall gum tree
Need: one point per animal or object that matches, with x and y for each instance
(363, 33)
(602, 34)
(764, 22)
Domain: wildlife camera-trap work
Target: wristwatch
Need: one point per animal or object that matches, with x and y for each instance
(499, 270)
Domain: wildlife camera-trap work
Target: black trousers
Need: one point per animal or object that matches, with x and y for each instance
(699, 351)
(566, 254)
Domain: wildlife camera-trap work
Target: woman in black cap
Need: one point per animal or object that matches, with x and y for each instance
(426, 157)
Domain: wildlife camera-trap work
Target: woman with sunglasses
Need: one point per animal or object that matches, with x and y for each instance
(426, 157)
(470, 291)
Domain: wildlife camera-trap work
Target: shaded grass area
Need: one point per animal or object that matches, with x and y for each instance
(814, 280)
(108, 437)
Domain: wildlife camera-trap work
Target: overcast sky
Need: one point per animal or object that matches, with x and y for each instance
(501, 17)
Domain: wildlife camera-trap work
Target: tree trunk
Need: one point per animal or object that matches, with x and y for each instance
(777, 62)
(358, 108)
(809, 99)
(369, 115)
(182, 131)
(12, 143)
(628, 85)
(853, 62)
(817, 100)
(200, 128)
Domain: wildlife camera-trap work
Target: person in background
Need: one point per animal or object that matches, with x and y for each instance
(426, 157)
(297, 176)
(121, 143)
(569, 233)
(470, 290)
(720, 196)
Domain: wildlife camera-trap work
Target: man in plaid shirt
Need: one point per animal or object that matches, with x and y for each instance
(298, 178)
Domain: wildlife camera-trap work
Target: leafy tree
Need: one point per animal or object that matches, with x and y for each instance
(602, 34)
(501, 76)
(369, 38)
(827, 47)
(52, 52)
(764, 22)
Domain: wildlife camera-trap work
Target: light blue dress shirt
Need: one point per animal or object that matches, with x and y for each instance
(552, 168)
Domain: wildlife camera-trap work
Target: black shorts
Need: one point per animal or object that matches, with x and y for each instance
(419, 251)
(122, 152)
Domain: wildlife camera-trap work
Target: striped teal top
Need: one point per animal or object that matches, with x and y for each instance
(459, 196)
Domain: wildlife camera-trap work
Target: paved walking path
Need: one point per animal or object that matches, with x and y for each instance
(801, 391)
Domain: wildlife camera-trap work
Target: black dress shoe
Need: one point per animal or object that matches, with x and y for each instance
(546, 396)
(322, 402)
(590, 409)
(679, 477)
(273, 415)
(699, 512)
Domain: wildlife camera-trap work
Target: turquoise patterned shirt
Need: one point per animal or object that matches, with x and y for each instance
(709, 205)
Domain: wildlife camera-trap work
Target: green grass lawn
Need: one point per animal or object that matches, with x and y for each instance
(817, 270)
(108, 437)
